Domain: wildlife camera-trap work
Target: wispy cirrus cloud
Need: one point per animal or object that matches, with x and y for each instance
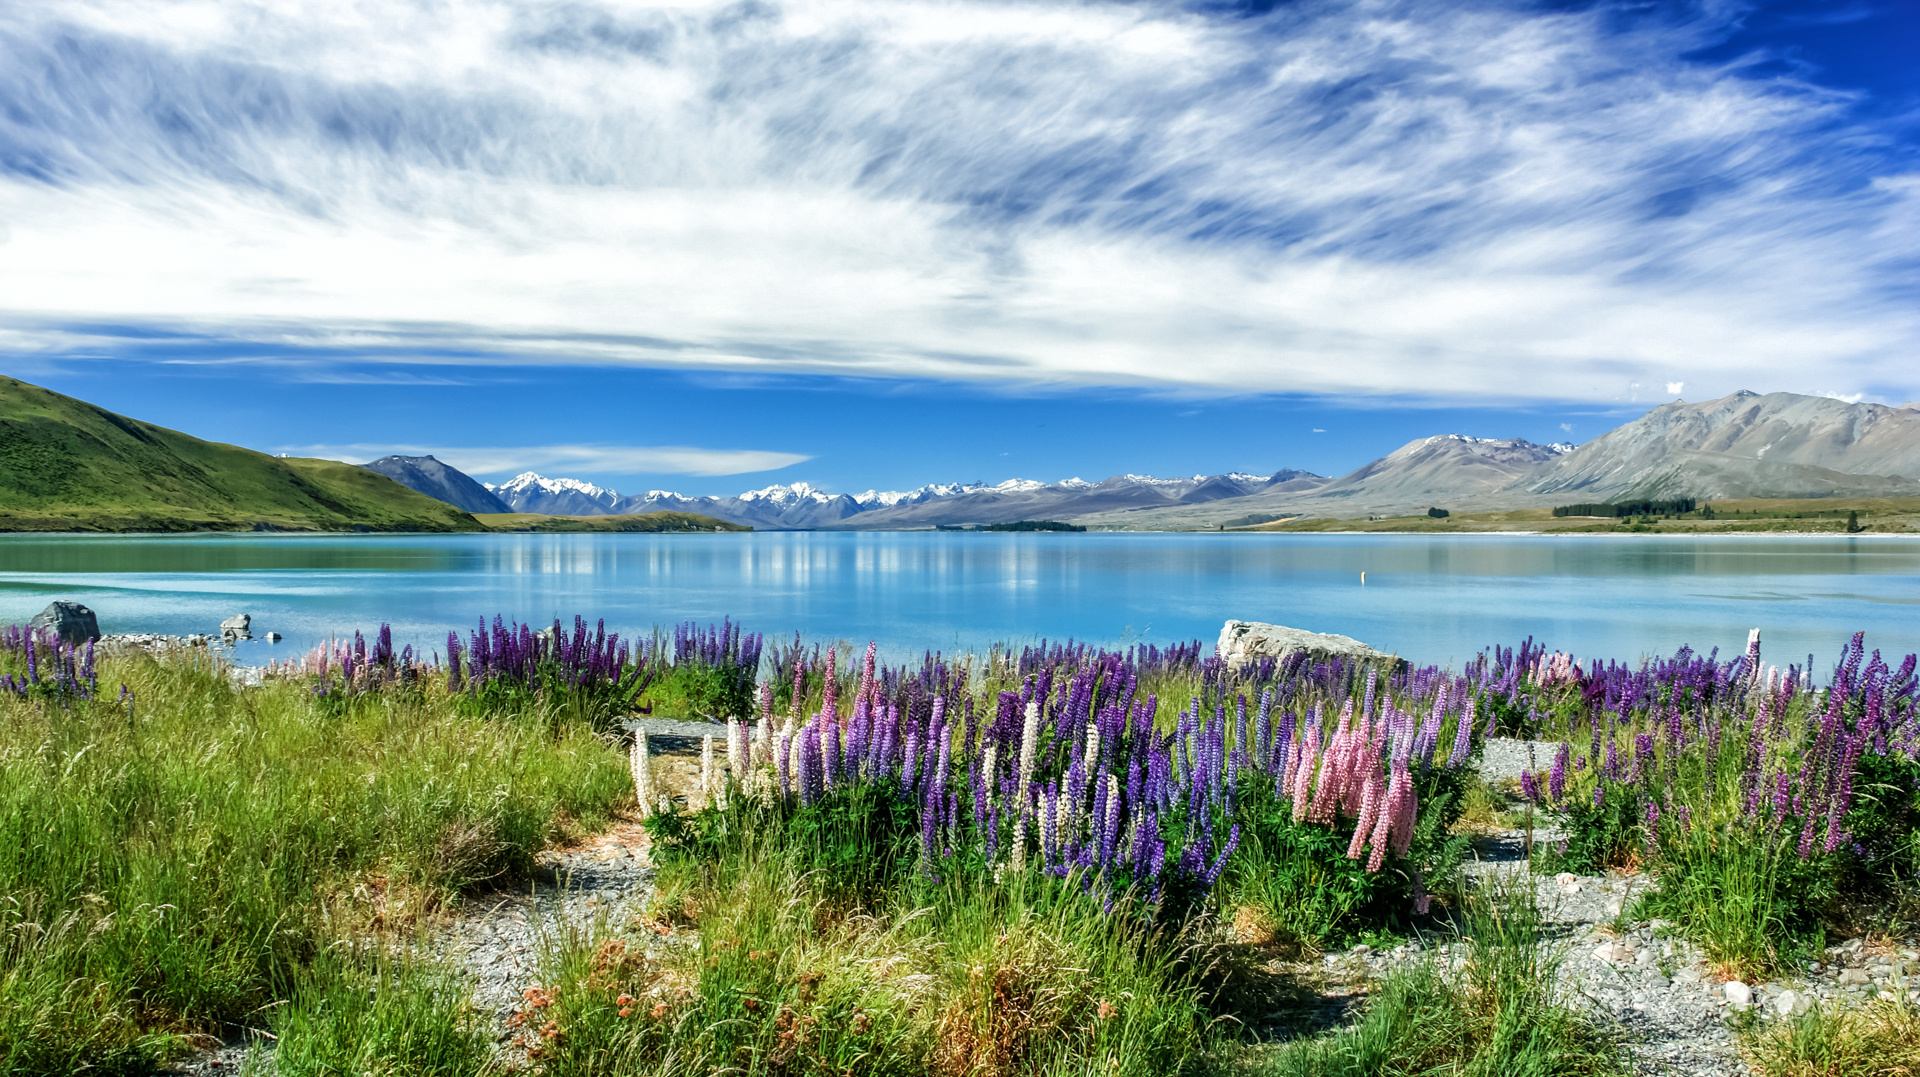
(1477, 199)
(594, 459)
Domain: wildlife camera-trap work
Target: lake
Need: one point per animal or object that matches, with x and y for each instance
(1431, 598)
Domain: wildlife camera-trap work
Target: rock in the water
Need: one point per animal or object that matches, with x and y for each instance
(1244, 641)
(72, 622)
(273, 637)
(236, 627)
(1739, 995)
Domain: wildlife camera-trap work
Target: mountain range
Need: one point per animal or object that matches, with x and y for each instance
(1741, 445)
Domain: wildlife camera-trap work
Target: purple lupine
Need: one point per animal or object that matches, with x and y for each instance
(1557, 779)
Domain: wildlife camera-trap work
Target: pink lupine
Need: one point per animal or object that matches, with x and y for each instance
(830, 702)
(1369, 813)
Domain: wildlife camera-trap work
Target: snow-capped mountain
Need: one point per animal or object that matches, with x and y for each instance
(532, 492)
(802, 505)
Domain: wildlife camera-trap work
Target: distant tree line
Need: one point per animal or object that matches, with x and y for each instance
(1017, 525)
(1676, 507)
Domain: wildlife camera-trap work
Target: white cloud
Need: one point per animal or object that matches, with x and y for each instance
(1566, 428)
(597, 459)
(1374, 197)
(1674, 387)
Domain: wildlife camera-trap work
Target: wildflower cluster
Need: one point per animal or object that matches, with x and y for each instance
(1072, 775)
(54, 669)
(511, 666)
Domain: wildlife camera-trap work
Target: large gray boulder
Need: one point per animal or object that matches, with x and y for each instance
(1244, 641)
(239, 626)
(70, 621)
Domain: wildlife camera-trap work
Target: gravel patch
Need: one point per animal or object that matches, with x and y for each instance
(1659, 991)
(1505, 759)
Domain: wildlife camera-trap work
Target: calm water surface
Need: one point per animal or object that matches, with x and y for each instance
(1431, 598)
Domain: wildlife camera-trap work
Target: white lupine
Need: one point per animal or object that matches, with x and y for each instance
(1029, 745)
(763, 741)
(640, 761)
(1093, 747)
(736, 748)
(706, 770)
(989, 767)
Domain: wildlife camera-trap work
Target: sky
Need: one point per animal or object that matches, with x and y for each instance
(708, 247)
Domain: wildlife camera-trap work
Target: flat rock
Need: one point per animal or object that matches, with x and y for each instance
(1244, 641)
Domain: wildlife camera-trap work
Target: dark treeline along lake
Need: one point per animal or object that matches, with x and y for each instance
(1436, 599)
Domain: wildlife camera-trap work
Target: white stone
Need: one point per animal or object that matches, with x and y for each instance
(1739, 995)
(1566, 878)
(1243, 641)
(1612, 952)
(1792, 1003)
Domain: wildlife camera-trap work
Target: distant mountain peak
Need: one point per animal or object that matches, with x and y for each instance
(434, 478)
(788, 494)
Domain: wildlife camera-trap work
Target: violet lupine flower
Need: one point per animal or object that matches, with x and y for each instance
(1220, 862)
(1557, 779)
(1529, 788)
(1462, 737)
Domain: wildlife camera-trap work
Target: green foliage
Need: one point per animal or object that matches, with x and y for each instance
(859, 840)
(173, 870)
(1298, 878)
(1884, 821)
(697, 690)
(1670, 507)
(384, 1015)
(1600, 836)
(1438, 514)
(1033, 525)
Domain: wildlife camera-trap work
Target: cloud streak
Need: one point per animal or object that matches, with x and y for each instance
(1374, 197)
(596, 459)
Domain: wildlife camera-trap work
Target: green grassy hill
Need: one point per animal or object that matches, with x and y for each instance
(66, 465)
(655, 522)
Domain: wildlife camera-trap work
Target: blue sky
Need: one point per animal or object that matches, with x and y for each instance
(708, 247)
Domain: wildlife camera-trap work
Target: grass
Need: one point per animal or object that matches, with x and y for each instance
(66, 465)
(180, 864)
(1878, 1038)
(1497, 1016)
(777, 970)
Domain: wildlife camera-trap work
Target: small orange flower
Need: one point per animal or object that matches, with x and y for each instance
(1107, 1009)
(659, 1010)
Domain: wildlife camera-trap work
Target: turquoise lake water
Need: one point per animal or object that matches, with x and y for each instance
(1431, 598)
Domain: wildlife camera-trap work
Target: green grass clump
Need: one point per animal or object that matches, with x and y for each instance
(1498, 1016)
(1880, 1038)
(784, 975)
(176, 865)
(380, 1014)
